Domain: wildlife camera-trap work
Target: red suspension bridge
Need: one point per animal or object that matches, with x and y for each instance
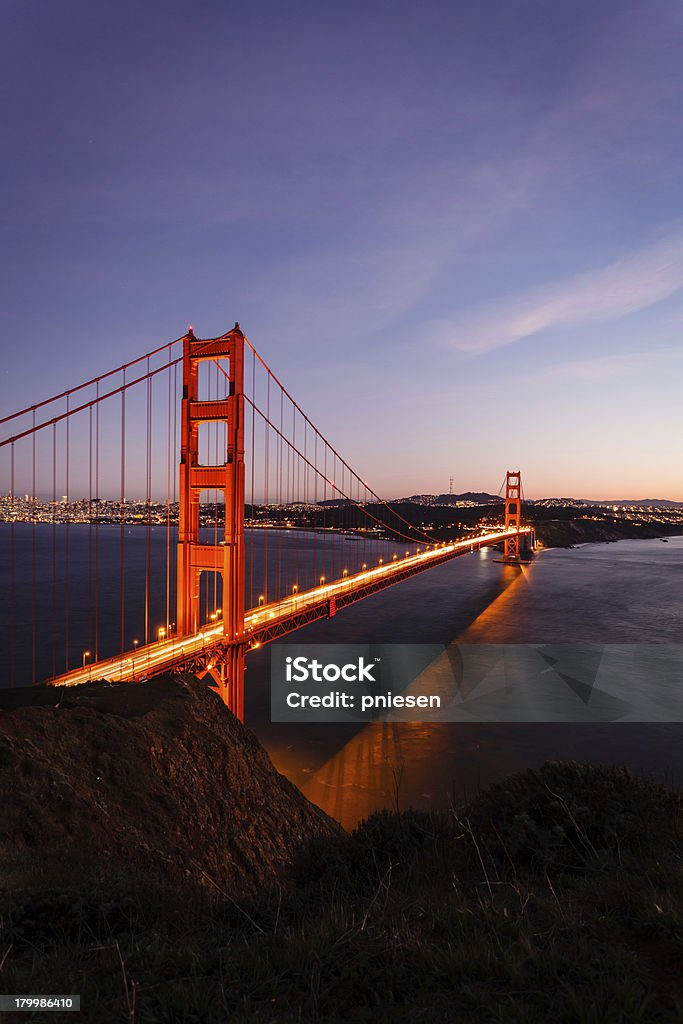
(215, 537)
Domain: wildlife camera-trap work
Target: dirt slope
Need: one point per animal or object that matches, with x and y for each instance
(157, 774)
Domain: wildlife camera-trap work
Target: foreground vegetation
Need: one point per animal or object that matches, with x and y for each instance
(556, 896)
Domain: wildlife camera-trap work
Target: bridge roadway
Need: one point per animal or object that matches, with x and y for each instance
(268, 622)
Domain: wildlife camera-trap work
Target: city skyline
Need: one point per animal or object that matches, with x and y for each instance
(454, 232)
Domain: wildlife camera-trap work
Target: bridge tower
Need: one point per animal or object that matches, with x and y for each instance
(513, 516)
(227, 558)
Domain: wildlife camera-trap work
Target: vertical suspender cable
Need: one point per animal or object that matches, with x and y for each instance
(279, 504)
(343, 522)
(337, 517)
(148, 538)
(324, 497)
(122, 556)
(54, 550)
(266, 534)
(97, 521)
(33, 552)
(66, 542)
(292, 499)
(89, 625)
(286, 536)
(11, 571)
(305, 494)
(315, 502)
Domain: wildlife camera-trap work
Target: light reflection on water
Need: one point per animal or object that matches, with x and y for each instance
(630, 592)
(608, 593)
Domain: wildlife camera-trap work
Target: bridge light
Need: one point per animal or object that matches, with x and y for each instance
(261, 599)
(346, 572)
(365, 565)
(322, 580)
(295, 589)
(135, 643)
(161, 633)
(381, 561)
(86, 654)
(395, 557)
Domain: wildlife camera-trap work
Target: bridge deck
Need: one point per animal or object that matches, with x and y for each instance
(271, 621)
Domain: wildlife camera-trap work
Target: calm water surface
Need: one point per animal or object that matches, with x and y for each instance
(605, 593)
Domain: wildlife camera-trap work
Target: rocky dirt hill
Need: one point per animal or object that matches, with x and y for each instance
(158, 775)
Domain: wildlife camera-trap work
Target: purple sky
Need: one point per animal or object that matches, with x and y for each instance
(455, 230)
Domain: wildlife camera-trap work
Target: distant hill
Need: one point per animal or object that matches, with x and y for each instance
(652, 502)
(484, 498)
(475, 497)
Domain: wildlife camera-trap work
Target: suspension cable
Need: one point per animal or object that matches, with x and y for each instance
(336, 455)
(89, 383)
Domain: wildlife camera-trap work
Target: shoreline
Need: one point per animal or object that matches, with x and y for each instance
(572, 533)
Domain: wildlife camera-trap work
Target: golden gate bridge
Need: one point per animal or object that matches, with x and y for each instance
(209, 423)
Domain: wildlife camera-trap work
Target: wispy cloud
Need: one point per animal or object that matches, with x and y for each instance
(611, 367)
(633, 282)
(420, 224)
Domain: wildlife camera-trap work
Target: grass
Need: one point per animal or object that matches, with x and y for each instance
(556, 896)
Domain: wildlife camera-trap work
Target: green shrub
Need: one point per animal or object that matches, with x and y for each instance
(567, 815)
